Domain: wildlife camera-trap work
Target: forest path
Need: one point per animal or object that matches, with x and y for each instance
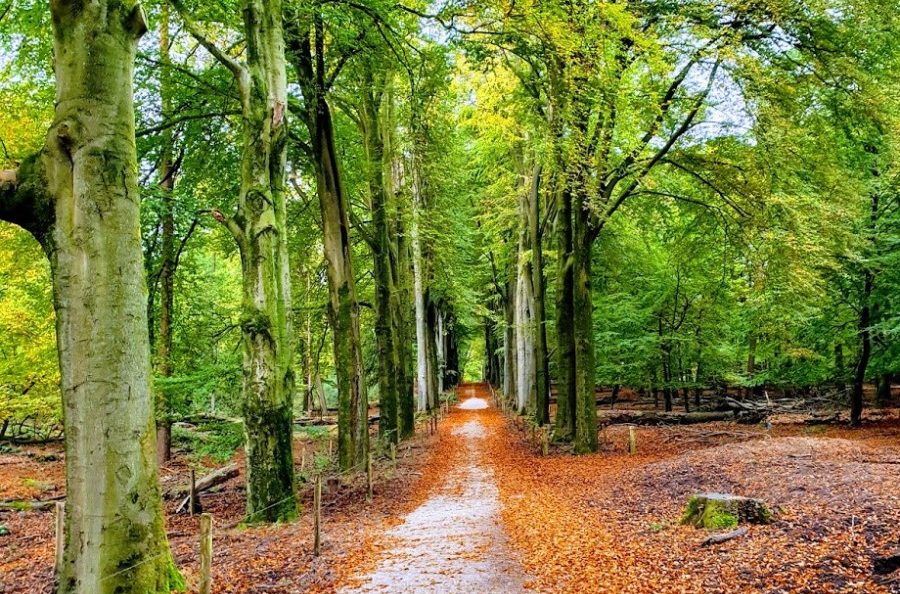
(454, 542)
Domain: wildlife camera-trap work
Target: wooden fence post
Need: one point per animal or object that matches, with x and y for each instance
(192, 494)
(60, 535)
(370, 479)
(205, 553)
(632, 441)
(545, 441)
(317, 516)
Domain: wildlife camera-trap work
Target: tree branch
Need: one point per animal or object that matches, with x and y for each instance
(233, 65)
(660, 154)
(24, 199)
(185, 118)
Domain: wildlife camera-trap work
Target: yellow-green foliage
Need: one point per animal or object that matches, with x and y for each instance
(29, 372)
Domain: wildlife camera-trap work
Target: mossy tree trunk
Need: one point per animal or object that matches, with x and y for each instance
(307, 48)
(386, 328)
(565, 321)
(259, 227)
(401, 264)
(79, 198)
(585, 438)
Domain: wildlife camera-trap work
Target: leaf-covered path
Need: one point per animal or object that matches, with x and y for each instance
(454, 541)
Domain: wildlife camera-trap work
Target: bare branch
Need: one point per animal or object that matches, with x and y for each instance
(185, 118)
(657, 157)
(233, 65)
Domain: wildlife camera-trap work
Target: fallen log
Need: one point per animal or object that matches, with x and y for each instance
(206, 483)
(886, 565)
(327, 421)
(724, 537)
(37, 505)
(637, 417)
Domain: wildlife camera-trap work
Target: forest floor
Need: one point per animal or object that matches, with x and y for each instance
(477, 508)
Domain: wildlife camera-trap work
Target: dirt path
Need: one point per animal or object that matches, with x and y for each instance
(454, 541)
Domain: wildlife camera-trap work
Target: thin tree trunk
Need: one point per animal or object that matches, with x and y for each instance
(542, 376)
(431, 354)
(167, 258)
(865, 332)
(839, 383)
(79, 198)
(419, 295)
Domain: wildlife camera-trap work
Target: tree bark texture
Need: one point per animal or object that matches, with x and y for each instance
(79, 198)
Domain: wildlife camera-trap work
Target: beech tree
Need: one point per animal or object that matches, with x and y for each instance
(258, 226)
(79, 198)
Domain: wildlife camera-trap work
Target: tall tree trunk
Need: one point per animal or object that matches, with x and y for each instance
(343, 307)
(509, 342)
(542, 376)
(167, 258)
(421, 313)
(385, 292)
(865, 323)
(525, 371)
(865, 352)
(585, 399)
(259, 227)
(79, 198)
(565, 321)
(401, 266)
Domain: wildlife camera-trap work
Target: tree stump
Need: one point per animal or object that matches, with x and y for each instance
(716, 511)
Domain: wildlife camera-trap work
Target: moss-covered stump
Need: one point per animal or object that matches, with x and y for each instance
(716, 511)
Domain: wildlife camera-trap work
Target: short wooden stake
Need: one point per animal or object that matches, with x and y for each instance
(60, 535)
(192, 503)
(545, 441)
(330, 446)
(205, 553)
(317, 516)
(370, 479)
(632, 441)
